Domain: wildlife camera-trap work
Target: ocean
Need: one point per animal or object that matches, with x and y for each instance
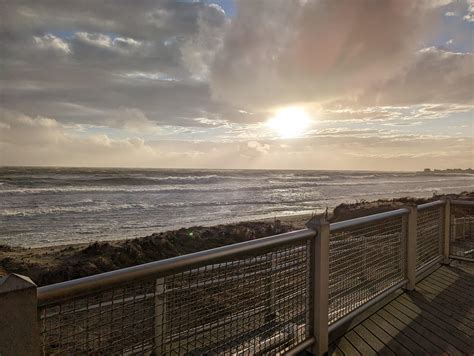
(52, 206)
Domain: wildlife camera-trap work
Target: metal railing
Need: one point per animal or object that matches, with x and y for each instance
(275, 295)
(430, 233)
(366, 258)
(241, 299)
(461, 241)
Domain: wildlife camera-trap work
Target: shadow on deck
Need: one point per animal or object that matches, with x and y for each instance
(436, 318)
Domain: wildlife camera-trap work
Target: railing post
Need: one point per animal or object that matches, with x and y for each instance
(160, 316)
(447, 231)
(411, 248)
(19, 332)
(321, 284)
(272, 286)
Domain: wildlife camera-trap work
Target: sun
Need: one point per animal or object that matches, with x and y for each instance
(289, 122)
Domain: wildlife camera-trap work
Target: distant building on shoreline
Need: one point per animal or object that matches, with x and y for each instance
(449, 170)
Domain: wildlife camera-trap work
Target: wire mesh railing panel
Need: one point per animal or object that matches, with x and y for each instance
(111, 322)
(364, 261)
(258, 303)
(461, 242)
(429, 235)
(249, 306)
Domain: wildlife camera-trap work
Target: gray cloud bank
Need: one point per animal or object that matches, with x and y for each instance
(67, 58)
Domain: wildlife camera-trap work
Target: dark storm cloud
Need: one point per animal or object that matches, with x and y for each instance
(99, 56)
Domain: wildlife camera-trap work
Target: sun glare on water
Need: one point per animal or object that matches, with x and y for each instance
(289, 122)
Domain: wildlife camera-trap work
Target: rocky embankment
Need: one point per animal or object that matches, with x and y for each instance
(55, 264)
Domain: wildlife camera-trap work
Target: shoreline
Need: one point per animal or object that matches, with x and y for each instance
(52, 264)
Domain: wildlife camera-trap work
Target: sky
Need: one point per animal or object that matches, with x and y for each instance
(258, 84)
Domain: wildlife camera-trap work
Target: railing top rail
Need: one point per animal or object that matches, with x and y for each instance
(76, 287)
(367, 219)
(462, 202)
(432, 204)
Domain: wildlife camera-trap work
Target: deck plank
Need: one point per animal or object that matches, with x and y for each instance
(404, 324)
(457, 273)
(447, 290)
(334, 350)
(397, 335)
(360, 344)
(445, 296)
(445, 286)
(462, 293)
(444, 300)
(451, 275)
(386, 338)
(452, 286)
(454, 336)
(420, 329)
(437, 337)
(346, 347)
(447, 275)
(373, 341)
(436, 318)
(441, 304)
(442, 313)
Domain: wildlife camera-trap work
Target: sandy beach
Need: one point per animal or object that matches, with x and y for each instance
(54, 264)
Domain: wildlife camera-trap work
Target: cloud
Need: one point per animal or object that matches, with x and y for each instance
(470, 11)
(278, 52)
(176, 61)
(464, 8)
(52, 42)
(22, 130)
(198, 50)
(436, 111)
(149, 76)
(253, 149)
(320, 52)
(131, 119)
(150, 55)
(338, 113)
(436, 76)
(43, 141)
(29, 140)
(95, 39)
(100, 40)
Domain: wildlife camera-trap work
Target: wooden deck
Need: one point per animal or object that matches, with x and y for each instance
(437, 318)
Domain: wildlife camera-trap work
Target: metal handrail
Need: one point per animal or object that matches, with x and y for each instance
(367, 219)
(76, 287)
(432, 204)
(462, 202)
